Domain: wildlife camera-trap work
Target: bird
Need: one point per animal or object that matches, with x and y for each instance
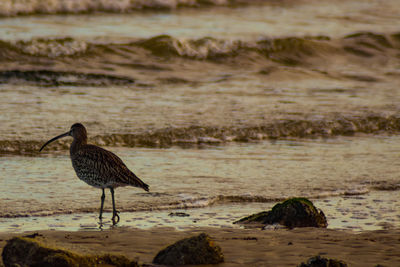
(98, 167)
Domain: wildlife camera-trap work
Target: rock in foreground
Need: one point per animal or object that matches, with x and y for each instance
(294, 212)
(23, 251)
(317, 261)
(194, 250)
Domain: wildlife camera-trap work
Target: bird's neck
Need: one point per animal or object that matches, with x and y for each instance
(77, 144)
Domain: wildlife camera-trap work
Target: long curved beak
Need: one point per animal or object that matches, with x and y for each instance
(54, 139)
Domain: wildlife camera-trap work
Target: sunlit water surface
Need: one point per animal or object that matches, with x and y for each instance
(333, 18)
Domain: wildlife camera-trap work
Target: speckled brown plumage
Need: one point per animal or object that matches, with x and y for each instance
(98, 167)
(103, 169)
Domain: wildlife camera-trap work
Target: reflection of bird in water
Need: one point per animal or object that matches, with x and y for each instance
(98, 167)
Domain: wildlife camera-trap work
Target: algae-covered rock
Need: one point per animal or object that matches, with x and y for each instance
(317, 261)
(24, 251)
(194, 250)
(294, 212)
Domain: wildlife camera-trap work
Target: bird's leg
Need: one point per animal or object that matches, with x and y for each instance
(115, 217)
(103, 196)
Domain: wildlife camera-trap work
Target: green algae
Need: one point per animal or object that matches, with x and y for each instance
(294, 212)
(194, 250)
(293, 201)
(319, 261)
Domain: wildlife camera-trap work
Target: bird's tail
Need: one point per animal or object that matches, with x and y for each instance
(145, 187)
(138, 183)
(141, 184)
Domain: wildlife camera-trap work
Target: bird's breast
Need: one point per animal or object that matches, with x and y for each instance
(91, 173)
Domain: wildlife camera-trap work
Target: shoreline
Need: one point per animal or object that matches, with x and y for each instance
(241, 247)
(374, 210)
(143, 238)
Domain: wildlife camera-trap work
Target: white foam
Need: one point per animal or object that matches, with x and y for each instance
(53, 48)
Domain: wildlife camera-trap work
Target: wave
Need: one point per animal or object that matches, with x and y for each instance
(365, 44)
(286, 50)
(206, 48)
(205, 135)
(35, 7)
(43, 47)
(44, 61)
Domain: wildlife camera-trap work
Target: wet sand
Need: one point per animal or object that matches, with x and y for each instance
(241, 247)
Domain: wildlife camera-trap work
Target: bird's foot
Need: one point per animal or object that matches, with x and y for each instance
(115, 217)
(101, 224)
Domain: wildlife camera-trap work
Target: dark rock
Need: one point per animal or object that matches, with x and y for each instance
(317, 261)
(178, 214)
(61, 78)
(194, 250)
(33, 235)
(23, 251)
(294, 212)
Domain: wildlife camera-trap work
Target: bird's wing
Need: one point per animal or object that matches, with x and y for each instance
(109, 165)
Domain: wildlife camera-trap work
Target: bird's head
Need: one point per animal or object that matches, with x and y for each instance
(77, 131)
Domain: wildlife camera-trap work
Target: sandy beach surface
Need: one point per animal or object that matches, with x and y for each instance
(241, 247)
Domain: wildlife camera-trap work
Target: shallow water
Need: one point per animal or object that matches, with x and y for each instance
(354, 180)
(372, 211)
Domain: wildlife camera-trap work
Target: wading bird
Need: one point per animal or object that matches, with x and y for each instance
(98, 167)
